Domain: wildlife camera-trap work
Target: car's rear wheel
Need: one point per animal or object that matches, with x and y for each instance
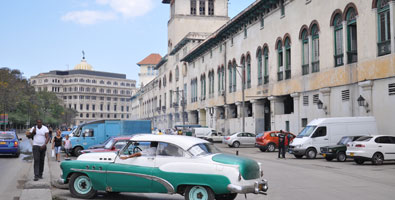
(230, 196)
(298, 156)
(311, 153)
(341, 156)
(236, 144)
(17, 154)
(77, 151)
(377, 159)
(271, 147)
(359, 161)
(81, 186)
(328, 158)
(262, 149)
(198, 192)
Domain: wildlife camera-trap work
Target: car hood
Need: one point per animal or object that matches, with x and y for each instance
(249, 169)
(98, 157)
(297, 141)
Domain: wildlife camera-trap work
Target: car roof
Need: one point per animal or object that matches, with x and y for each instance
(123, 137)
(5, 132)
(185, 142)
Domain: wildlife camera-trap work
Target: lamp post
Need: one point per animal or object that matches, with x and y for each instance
(242, 95)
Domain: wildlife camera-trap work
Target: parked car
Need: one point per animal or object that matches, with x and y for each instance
(9, 143)
(338, 151)
(328, 131)
(377, 149)
(102, 145)
(208, 134)
(185, 165)
(239, 139)
(268, 141)
(114, 144)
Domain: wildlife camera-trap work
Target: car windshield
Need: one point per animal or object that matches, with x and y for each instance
(344, 140)
(203, 149)
(120, 144)
(364, 138)
(7, 136)
(109, 144)
(306, 132)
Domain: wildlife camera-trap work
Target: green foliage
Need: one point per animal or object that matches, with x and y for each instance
(23, 104)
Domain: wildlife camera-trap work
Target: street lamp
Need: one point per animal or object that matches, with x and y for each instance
(362, 102)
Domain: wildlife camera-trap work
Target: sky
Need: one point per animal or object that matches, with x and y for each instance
(43, 35)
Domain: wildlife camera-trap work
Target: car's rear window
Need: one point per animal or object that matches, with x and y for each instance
(260, 135)
(7, 136)
(364, 138)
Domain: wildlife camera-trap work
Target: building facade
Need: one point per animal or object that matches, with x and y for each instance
(300, 59)
(148, 68)
(93, 94)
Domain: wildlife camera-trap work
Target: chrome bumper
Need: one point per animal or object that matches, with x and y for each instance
(259, 187)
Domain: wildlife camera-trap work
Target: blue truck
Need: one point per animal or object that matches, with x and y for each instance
(96, 132)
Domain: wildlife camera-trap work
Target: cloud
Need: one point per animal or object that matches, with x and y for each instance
(88, 17)
(125, 8)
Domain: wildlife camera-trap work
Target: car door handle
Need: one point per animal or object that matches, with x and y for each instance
(326, 139)
(380, 146)
(151, 158)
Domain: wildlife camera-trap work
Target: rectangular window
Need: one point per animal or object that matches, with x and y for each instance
(101, 107)
(287, 126)
(127, 108)
(305, 100)
(210, 7)
(108, 107)
(87, 106)
(262, 21)
(202, 7)
(339, 47)
(115, 107)
(184, 99)
(304, 122)
(122, 108)
(193, 7)
(81, 106)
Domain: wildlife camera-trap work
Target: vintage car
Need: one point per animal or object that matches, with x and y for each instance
(185, 165)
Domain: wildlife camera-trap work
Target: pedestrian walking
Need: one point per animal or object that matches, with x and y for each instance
(281, 144)
(50, 130)
(57, 144)
(67, 146)
(40, 136)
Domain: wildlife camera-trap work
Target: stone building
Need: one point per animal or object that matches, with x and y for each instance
(147, 68)
(301, 60)
(93, 94)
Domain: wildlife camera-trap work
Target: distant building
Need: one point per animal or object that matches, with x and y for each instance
(93, 94)
(147, 68)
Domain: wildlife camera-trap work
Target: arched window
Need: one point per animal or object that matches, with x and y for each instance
(248, 70)
(93, 89)
(81, 89)
(266, 65)
(230, 69)
(101, 82)
(101, 90)
(88, 89)
(234, 76)
(164, 81)
(108, 91)
(115, 83)
(384, 27)
(177, 73)
(222, 78)
(88, 81)
(280, 60)
(108, 82)
(352, 53)
(219, 79)
(305, 52)
(160, 83)
(315, 62)
(244, 70)
(338, 28)
(82, 80)
(203, 87)
(259, 60)
(287, 45)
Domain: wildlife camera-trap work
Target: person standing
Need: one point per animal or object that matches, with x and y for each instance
(50, 133)
(67, 146)
(281, 144)
(40, 140)
(57, 144)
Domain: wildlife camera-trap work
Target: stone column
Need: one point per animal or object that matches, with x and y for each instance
(326, 93)
(366, 93)
(192, 117)
(258, 111)
(273, 109)
(296, 98)
(227, 111)
(202, 117)
(344, 43)
(392, 23)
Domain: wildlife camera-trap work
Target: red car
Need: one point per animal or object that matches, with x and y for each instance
(269, 140)
(114, 144)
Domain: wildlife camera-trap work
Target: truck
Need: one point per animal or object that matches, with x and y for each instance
(96, 132)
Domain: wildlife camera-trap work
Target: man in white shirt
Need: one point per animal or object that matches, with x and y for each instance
(40, 141)
(146, 152)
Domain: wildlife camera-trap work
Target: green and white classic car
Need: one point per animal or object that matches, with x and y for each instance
(180, 164)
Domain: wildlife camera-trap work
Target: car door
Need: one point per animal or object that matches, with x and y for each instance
(391, 152)
(132, 174)
(250, 140)
(384, 145)
(320, 138)
(242, 137)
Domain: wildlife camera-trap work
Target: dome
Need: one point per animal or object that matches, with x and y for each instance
(83, 65)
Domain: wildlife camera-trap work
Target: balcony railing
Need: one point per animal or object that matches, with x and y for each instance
(352, 57)
(305, 69)
(315, 66)
(280, 76)
(287, 73)
(339, 60)
(265, 79)
(384, 48)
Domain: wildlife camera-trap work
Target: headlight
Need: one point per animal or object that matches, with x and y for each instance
(330, 150)
(298, 146)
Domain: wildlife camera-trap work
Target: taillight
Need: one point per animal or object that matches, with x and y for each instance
(227, 138)
(360, 145)
(348, 145)
(15, 144)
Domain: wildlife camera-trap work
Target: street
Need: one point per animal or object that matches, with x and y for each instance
(13, 171)
(293, 178)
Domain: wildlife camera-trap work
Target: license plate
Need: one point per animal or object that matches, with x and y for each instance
(3, 142)
(324, 154)
(351, 154)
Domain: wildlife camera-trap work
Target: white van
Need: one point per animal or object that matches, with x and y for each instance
(209, 134)
(328, 131)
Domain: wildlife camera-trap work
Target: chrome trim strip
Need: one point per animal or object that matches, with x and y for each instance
(169, 187)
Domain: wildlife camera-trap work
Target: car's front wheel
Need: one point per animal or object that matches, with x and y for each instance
(230, 196)
(341, 156)
(311, 153)
(77, 151)
(81, 186)
(271, 147)
(198, 192)
(377, 159)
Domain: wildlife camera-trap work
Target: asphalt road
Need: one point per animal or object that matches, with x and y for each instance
(299, 179)
(13, 172)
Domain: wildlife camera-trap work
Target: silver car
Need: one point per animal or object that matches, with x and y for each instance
(239, 139)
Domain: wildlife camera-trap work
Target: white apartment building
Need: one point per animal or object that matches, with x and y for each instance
(303, 59)
(148, 68)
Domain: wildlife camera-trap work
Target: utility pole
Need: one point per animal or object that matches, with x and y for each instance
(242, 95)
